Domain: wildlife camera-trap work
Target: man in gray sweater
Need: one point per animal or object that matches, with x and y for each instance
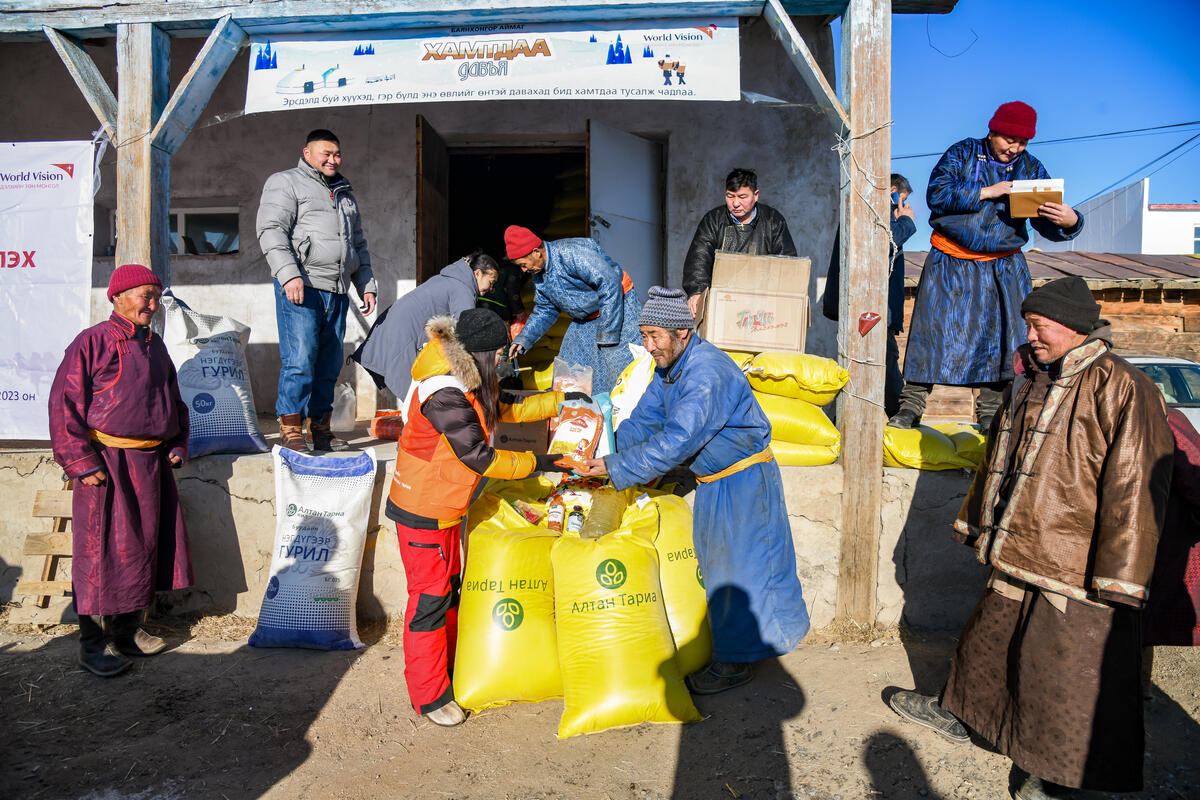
(311, 235)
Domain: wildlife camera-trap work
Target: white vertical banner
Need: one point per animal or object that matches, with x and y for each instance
(45, 273)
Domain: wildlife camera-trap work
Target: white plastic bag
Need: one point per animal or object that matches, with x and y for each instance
(209, 355)
(322, 504)
(345, 408)
(632, 384)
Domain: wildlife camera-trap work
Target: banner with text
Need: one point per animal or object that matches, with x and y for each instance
(634, 60)
(45, 273)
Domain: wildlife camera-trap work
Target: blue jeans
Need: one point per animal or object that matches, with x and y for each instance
(310, 349)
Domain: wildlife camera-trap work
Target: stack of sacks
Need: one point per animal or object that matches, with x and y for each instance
(610, 624)
(790, 387)
(951, 446)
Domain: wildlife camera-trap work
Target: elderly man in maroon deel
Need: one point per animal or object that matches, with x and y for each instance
(118, 425)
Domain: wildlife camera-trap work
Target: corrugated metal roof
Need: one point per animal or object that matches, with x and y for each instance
(1100, 270)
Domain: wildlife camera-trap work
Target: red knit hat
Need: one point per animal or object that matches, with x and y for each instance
(520, 242)
(129, 276)
(1014, 119)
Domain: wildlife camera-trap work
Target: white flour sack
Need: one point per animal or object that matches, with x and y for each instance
(210, 356)
(321, 508)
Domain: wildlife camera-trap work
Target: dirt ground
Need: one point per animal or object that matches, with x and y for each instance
(213, 718)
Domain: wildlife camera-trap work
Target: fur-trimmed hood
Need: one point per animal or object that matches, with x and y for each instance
(445, 355)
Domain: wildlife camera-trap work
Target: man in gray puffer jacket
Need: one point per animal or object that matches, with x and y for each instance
(310, 232)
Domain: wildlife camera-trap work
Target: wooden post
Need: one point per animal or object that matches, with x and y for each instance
(143, 170)
(866, 93)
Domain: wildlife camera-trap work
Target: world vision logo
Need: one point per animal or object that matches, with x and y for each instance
(508, 614)
(291, 509)
(611, 574)
(39, 177)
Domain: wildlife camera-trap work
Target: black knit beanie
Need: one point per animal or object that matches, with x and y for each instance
(1067, 301)
(480, 330)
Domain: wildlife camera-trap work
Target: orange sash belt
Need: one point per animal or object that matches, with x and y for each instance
(124, 442)
(956, 250)
(626, 287)
(761, 457)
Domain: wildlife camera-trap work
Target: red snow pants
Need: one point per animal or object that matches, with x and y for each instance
(433, 566)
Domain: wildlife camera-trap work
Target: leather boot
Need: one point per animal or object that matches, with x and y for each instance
(130, 639)
(291, 433)
(96, 655)
(322, 435)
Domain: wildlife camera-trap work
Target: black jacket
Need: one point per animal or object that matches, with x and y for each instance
(766, 235)
(902, 229)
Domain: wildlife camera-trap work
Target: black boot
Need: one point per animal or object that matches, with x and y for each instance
(130, 639)
(323, 439)
(96, 655)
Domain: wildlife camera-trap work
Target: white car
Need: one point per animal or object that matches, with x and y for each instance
(1178, 379)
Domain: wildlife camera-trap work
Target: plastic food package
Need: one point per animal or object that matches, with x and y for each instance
(321, 510)
(608, 442)
(921, 448)
(790, 454)
(631, 385)
(209, 356)
(797, 421)
(572, 377)
(577, 435)
(507, 648)
(615, 647)
(801, 375)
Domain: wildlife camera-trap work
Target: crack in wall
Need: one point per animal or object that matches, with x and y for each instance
(225, 488)
(42, 461)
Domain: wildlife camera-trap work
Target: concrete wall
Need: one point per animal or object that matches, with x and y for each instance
(924, 577)
(227, 163)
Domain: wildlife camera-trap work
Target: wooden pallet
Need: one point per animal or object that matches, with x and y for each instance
(48, 601)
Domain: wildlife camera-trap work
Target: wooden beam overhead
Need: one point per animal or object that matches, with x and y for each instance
(797, 50)
(196, 88)
(87, 77)
(194, 18)
(865, 236)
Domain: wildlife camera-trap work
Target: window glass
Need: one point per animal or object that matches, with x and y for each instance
(1189, 384)
(211, 233)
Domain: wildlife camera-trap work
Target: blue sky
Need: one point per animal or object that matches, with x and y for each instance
(1087, 67)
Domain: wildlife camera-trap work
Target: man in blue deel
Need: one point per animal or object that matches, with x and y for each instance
(699, 411)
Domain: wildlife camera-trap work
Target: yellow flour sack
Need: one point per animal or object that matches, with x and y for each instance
(790, 454)
(614, 642)
(797, 421)
(679, 574)
(631, 385)
(969, 443)
(540, 376)
(740, 358)
(800, 375)
(507, 651)
(920, 448)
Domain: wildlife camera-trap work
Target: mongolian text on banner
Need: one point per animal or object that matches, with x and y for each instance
(45, 273)
(642, 60)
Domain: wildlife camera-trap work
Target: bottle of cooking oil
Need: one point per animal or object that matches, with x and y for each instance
(608, 506)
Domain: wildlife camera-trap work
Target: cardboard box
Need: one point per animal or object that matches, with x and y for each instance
(520, 436)
(757, 303)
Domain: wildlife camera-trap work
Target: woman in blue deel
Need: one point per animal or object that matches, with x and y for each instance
(577, 278)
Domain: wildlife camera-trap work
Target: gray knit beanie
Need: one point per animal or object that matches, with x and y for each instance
(667, 308)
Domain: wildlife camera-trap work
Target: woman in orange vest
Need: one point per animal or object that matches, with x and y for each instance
(444, 450)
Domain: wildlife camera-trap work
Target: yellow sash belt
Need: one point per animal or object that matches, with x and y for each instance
(737, 466)
(124, 442)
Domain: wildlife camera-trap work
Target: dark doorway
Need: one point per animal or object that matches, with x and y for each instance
(543, 189)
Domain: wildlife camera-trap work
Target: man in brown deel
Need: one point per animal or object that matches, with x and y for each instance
(1066, 509)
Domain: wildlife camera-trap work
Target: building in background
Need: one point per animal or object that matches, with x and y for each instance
(1123, 221)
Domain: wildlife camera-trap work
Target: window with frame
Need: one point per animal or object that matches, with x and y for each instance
(1196, 241)
(203, 231)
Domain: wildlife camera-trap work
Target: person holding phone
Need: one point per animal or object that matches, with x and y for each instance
(966, 323)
